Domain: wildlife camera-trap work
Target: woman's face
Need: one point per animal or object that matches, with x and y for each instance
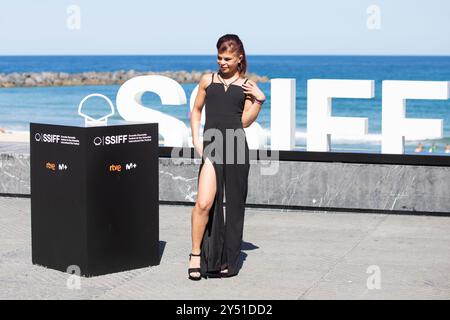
(228, 62)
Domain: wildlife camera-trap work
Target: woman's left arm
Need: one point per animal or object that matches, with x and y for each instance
(253, 102)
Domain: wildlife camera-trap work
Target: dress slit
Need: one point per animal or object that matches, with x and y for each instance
(213, 238)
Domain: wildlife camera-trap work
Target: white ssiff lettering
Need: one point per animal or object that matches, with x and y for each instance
(51, 138)
(110, 140)
(320, 124)
(115, 139)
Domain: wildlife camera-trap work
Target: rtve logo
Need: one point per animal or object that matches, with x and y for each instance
(46, 137)
(115, 168)
(108, 140)
(50, 166)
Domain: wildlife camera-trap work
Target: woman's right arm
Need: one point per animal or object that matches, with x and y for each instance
(197, 110)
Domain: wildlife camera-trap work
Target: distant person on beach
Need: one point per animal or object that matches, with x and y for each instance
(2, 130)
(233, 103)
(419, 147)
(447, 148)
(432, 148)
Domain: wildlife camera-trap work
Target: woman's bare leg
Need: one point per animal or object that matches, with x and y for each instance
(200, 212)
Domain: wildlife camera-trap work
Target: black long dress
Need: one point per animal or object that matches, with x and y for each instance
(221, 244)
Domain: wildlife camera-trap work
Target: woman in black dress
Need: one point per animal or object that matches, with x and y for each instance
(232, 103)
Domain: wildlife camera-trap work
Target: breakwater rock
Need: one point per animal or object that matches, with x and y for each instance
(55, 79)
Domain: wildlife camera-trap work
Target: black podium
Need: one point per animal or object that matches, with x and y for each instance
(94, 197)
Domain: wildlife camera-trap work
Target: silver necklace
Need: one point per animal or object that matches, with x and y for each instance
(223, 81)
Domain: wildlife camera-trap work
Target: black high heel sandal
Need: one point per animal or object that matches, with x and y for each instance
(191, 270)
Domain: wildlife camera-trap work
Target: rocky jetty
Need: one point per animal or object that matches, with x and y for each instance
(55, 79)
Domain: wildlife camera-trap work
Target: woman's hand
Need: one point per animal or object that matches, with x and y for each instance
(251, 88)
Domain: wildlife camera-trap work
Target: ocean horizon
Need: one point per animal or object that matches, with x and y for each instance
(58, 105)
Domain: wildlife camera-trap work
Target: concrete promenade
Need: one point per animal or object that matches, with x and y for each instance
(285, 255)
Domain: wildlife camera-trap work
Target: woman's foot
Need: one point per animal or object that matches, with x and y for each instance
(194, 266)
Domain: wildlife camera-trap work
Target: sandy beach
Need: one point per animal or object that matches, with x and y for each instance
(14, 136)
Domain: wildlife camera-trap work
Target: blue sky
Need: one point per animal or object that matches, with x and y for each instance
(192, 27)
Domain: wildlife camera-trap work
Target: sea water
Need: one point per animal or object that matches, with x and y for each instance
(59, 105)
